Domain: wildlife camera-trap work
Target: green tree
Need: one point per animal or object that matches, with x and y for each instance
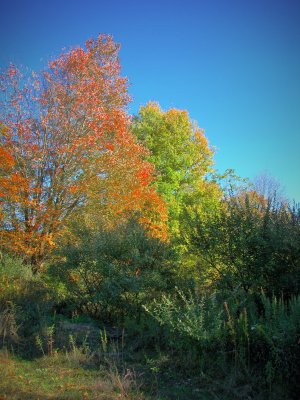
(252, 243)
(183, 158)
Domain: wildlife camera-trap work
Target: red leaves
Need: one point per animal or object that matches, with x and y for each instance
(6, 160)
(67, 146)
(110, 146)
(145, 174)
(12, 71)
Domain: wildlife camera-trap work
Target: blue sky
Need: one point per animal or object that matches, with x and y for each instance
(234, 65)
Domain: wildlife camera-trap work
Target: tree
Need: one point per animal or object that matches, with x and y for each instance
(67, 140)
(270, 188)
(252, 243)
(181, 154)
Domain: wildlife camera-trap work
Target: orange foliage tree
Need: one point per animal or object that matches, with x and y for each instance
(65, 144)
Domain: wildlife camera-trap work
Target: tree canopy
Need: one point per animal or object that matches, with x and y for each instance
(182, 157)
(65, 145)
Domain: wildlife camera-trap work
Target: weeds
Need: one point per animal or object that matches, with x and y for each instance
(79, 354)
(125, 382)
(8, 326)
(270, 332)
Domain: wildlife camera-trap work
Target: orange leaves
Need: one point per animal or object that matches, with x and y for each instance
(110, 146)
(11, 181)
(6, 160)
(68, 147)
(145, 175)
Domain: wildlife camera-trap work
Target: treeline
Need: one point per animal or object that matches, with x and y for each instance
(126, 221)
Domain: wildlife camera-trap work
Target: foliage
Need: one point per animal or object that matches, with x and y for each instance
(198, 318)
(200, 272)
(65, 144)
(264, 335)
(250, 243)
(275, 337)
(109, 273)
(181, 154)
(8, 325)
(25, 302)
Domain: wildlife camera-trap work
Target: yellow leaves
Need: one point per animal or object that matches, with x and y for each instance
(49, 240)
(251, 198)
(181, 154)
(73, 189)
(73, 277)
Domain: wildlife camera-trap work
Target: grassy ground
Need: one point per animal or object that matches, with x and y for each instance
(59, 378)
(55, 378)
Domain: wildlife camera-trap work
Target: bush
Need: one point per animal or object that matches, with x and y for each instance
(25, 302)
(198, 318)
(109, 274)
(252, 243)
(275, 336)
(261, 337)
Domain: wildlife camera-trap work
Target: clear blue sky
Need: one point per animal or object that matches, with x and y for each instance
(234, 65)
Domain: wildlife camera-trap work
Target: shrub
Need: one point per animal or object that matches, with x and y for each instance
(25, 301)
(275, 336)
(199, 318)
(109, 274)
(252, 243)
(260, 334)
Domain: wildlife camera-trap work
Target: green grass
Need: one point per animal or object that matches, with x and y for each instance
(54, 378)
(159, 378)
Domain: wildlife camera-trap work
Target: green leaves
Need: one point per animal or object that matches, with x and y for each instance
(248, 243)
(109, 273)
(181, 155)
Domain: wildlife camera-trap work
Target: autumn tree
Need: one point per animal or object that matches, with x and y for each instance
(67, 146)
